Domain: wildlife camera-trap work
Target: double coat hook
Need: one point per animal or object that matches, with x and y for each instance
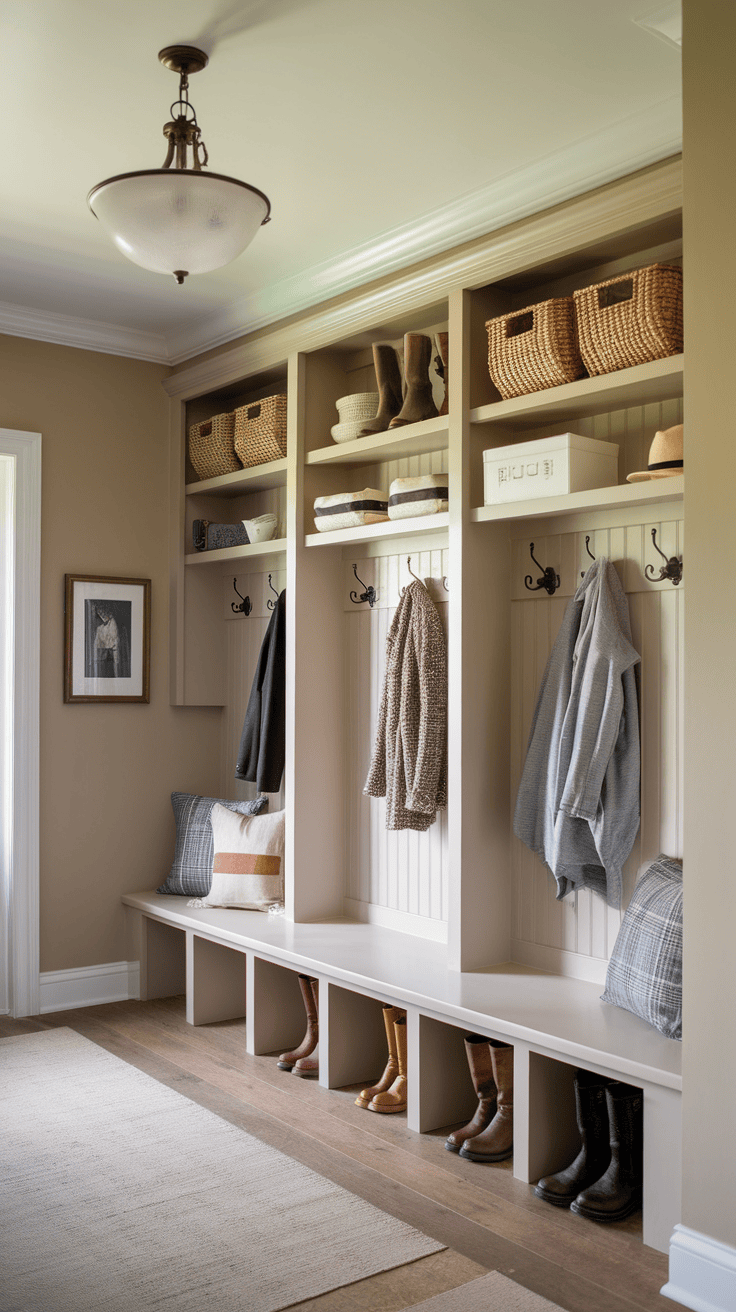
(368, 594)
(672, 568)
(550, 579)
(244, 606)
(272, 604)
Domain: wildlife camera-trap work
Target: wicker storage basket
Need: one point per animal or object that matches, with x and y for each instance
(630, 320)
(211, 448)
(260, 431)
(534, 348)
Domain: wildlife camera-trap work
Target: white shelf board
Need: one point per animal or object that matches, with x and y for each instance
(602, 498)
(659, 380)
(553, 1012)
(395, 444)
(273, 548)
(392, 528)
(242, 481)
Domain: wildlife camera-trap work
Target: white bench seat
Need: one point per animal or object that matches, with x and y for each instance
(233, 963)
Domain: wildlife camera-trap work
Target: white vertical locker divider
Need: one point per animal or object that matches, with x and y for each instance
(576, 936)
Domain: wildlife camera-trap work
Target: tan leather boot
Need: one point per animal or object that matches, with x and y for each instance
(442, 362)
(390, 1017)
(308, 1065)
(478, 1051)
(418, 402)
(394, 1098)
(288, 1060)
(496, 1142)
(388, 381)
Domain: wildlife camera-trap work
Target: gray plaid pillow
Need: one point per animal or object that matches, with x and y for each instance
(645, 971)
(191, 872)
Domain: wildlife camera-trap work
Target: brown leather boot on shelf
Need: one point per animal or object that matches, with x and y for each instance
(595, 1153)
(394, 1098)
(287, 1061)
(418, 402)
(478, 1051)
(619, 1190)
(390, 1017)
(308, 1065)
(442, 362)
(496, 1142)
(388, 381)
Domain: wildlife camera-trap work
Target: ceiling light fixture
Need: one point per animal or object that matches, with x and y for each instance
(176, 219)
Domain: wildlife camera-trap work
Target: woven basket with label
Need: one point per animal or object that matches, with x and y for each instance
(260, 431)
(631, 319)
(534, 348)
(211, 446)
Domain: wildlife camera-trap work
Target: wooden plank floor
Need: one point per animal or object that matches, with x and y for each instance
(487, 1219)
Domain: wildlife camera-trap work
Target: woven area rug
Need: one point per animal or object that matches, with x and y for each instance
(121, 1195)
(491, 1293)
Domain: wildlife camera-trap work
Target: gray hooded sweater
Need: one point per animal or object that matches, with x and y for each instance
(578, 801)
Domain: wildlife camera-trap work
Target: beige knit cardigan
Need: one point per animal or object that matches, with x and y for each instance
(409, 764)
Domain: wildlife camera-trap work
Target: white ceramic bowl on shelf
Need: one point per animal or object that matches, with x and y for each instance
(262, 528)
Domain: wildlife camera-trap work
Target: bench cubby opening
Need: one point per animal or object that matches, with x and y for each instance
(215, 981)
(276, 1016)
(353, 1038)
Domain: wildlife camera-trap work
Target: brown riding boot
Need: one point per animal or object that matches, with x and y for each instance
(478, 1051)
(308, 1065)
(390, 1017)
(442, 365)
(394, 1099)
(496, 1142)
(288, 1060)
(418, 402)
(388, 381)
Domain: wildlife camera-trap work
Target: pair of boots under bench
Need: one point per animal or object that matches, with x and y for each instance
(604, 1182)
(389, 1094)
(489, 1136)
(300, 1061)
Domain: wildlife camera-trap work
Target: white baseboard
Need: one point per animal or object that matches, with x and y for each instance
(88, 986)
(702, 1272)
(403, 921)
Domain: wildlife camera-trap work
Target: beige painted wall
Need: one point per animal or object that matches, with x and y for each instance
(709, 1022)
(106, 771)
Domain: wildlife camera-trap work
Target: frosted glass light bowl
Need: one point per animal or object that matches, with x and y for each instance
(179, 220)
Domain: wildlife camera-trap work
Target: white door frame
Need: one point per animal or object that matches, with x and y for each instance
(23, 908)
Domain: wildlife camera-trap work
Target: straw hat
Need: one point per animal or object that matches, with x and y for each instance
(665, 456)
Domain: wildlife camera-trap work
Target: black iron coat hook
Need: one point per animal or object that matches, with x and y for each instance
(550, 579)
(369, 594)
(672, 568)
(277, 594)
(244, 606)
(583, 572)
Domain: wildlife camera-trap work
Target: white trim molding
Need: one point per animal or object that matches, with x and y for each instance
(702, 1272)
(24, 879)
(89, 986)
(86, 334)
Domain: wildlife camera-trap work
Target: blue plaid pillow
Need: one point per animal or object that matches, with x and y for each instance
(191, 872)
(645, 971)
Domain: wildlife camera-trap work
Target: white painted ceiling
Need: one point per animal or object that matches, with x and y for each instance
(381, 130)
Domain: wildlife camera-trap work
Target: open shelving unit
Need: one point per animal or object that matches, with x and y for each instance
(458, 924)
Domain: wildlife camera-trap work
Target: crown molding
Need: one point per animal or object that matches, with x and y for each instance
(86, 334)
(625, 147)
(631, 202)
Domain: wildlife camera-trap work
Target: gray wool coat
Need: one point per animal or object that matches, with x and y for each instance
(578, 800)
(409, 764)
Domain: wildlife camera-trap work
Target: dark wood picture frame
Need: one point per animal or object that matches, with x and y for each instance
(107, 639)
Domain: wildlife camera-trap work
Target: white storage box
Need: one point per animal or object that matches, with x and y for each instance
(548, 467)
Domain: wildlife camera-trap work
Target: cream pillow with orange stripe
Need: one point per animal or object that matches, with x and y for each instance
(248, 865)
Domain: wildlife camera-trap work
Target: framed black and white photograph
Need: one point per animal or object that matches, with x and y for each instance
(107, 638)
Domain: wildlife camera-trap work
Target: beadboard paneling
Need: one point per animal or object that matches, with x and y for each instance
(395, 879)
(576, 936)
